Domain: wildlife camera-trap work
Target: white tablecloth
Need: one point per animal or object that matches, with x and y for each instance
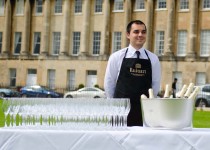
(135, 138)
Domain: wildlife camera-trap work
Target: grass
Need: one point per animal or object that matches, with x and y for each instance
(201, 119)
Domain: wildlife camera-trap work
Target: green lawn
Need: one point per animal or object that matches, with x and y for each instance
(201, 119)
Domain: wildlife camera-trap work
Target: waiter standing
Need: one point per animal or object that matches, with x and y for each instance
(131, 71)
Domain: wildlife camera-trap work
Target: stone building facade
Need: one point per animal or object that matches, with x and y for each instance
(64, 43)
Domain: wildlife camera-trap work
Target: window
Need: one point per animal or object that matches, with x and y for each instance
(118, 5)
(161, 4)
(56, 42)
(76, 43)
(182, 43)
(12, 76)
(98, 6)
(19, 7)
(78, 6)
(117, 41)
(184, 4)
(18, 37)
(71, 80)
(206, 88)
(2, 3)
(38, 5)
(37, 40)
(139, 5)
(205, 43)
(159, 42)
(0, 42)
(206, 4)
(58, 6)
(178, 75)
(51, 79)
(96, 42)
(92, 72)
(200, 78)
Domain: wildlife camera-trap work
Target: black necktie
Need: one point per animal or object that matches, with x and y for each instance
(138, 54)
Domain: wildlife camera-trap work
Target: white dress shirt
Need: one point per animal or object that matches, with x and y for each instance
(114, 66)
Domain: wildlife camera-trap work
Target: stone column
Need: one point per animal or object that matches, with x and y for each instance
(85, 29)
(106, 28)
(193, 28)
(46, 30)
(128, 13)
(170, 23)
(26, 32)
(65, 30)
(7, 30)
(149, 24)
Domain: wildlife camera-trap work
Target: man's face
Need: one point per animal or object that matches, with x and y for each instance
(137, 35)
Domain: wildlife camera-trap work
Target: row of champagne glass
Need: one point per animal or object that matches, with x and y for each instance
(67, 112)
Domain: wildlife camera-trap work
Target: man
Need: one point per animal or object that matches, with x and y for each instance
(131, 71)
(174, 87)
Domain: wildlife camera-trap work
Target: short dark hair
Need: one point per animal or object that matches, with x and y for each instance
(175, 79)
(128, 29)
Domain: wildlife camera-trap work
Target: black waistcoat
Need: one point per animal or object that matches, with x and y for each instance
(135, 79)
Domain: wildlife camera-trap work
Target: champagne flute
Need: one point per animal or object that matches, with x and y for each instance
(6, 110)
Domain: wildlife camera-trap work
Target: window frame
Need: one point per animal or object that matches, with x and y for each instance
(56, 43)
(159, 42)
(96, 43)
(183, 5)
(38, 7)
(12, 77)
(71, 74)
(205, 43)
(118, 6)
(19, 7)
(98, 7)
(58, 9)
(37, 43)
(207, 2)
(2, 7)
(76, 42)
(138, 5)
(182, 42)
(78, 6)
(51, 78)
(200, 78)
(117, 41)
(161, 2)
(17, 43)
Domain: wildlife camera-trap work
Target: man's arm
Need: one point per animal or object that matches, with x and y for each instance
(156, 76)
(111, 76)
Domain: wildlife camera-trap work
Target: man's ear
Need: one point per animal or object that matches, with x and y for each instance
(128, 35)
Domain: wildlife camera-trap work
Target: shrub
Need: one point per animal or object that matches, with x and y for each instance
(97, 86)
(81, 86)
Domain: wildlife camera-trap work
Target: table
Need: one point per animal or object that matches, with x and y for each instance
(134, 138)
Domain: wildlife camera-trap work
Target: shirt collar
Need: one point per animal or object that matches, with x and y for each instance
(132, 50)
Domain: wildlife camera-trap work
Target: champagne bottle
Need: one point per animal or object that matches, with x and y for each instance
(151, 95)
(189, 90)
(166, 94)
(194, 93)
(183, 90)
(143, 96)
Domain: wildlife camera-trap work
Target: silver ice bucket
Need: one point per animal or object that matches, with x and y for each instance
(167, 113)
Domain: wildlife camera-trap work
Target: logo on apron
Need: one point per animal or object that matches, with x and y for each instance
(137, 71)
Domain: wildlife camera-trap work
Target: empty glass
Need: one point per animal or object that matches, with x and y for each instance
(66, 113)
